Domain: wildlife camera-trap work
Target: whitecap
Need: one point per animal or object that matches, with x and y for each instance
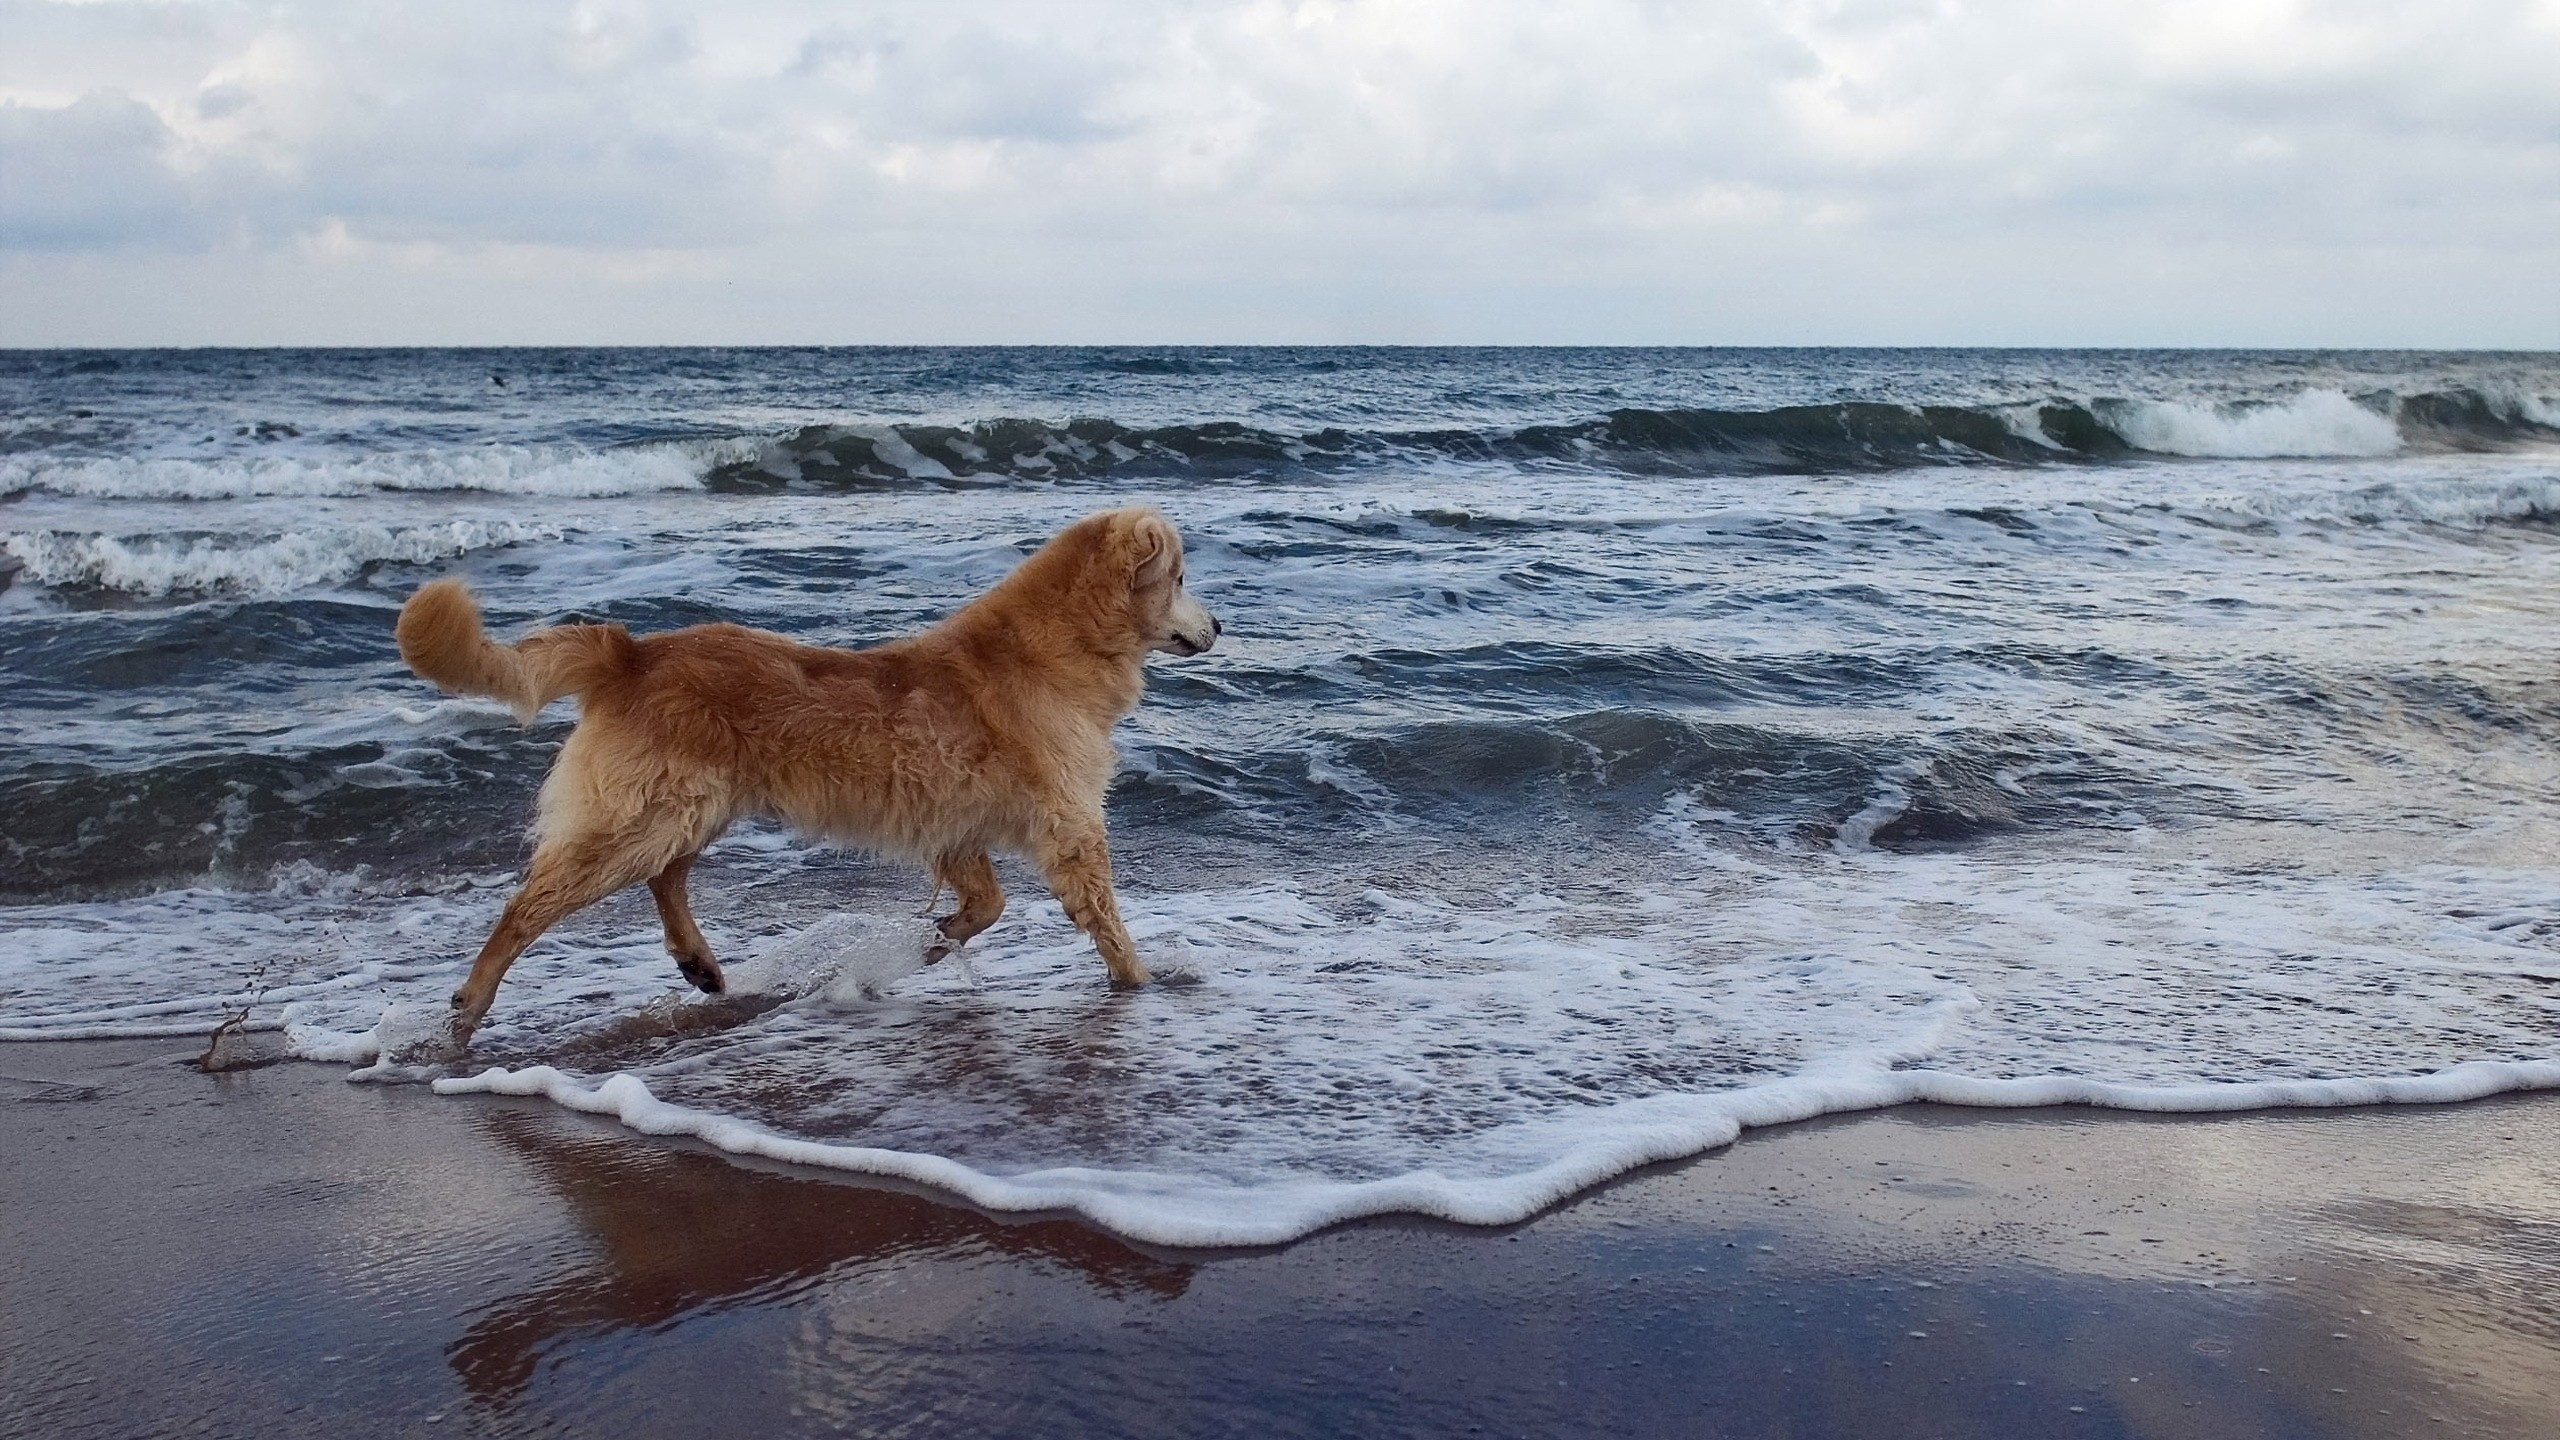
(261, 564)
(559, 471)
(2311, 424)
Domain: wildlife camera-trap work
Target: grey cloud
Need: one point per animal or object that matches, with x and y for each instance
(494, 128)
(995, 85)
(221, 102)
(1328, 156)
(92, 174)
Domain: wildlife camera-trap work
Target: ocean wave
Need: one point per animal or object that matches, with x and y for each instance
(1810, 775)
(435, 799)
(243, 646)
(2458, 503)
(1534, 672)
(2313, 424)
(1855, 436)
(560, 471)
(422, 812)
(1508, 742)
(894, 455)
(199, 564)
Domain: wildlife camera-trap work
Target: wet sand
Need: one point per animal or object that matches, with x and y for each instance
(276, 1252)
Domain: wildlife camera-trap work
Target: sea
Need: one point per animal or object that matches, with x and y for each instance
(1609, 751)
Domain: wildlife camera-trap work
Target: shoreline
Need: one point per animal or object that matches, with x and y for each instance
(277, 1252)
(1676, 1129)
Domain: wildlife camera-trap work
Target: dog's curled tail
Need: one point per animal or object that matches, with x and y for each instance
(441, 638)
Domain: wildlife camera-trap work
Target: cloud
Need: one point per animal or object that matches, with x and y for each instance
(93, 173)
(1461, 164)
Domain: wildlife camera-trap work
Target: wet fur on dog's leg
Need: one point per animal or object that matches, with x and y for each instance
(972, 878)
(1076, 861)
(684, 938)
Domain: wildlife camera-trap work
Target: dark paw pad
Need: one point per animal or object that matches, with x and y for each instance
(705, 978)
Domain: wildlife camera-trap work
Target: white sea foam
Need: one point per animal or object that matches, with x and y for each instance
(547, 470)
(259, 564)
(1891, 800)
(392, 1017)
(2514, 400)
(2312, 424)
(2457, 502)
(173, 963)
(1327, 767)
(841, 958)
(410, 1036)
(317, 958)
(1173, 1209)
(892, 447)
(2027, 423)
(1356, 1053)
(1401, 1054)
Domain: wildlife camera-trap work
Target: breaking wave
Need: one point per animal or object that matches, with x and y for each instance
(559, 471)
(2313, 424)
(1787, 440)
(1794, 439)
(182, 564)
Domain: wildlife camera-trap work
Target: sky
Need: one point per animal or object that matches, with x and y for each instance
(1884, 172)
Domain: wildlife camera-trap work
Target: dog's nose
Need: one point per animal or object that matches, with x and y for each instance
(1217, 627)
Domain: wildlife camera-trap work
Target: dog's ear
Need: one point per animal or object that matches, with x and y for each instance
(1155, 548)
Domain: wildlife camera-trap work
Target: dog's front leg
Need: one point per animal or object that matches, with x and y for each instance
(1075, 858)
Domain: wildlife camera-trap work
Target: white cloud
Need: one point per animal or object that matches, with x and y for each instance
(1828, 170)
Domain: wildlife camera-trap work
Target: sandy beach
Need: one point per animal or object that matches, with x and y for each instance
(276, 1252)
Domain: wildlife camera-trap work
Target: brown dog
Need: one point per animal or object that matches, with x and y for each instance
(990, 731)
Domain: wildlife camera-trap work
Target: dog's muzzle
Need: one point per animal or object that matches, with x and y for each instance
(1187, 646)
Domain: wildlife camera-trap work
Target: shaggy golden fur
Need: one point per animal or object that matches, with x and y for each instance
(989, 731)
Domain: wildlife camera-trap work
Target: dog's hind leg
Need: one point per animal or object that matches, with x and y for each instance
(1075, 858)
(566, 876)
(684, 938)
(972, 878)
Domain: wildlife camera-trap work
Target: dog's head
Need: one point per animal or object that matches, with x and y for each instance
(1167, 616)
